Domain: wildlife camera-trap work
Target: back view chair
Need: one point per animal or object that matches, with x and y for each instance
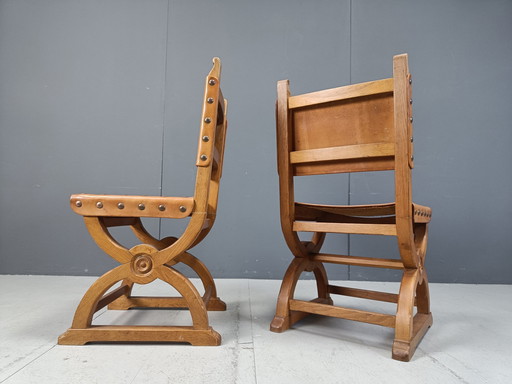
(358, 128)
(153, 258)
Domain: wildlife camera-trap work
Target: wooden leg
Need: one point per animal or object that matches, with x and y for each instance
(322, 283)
(82, 331)
(212, 301)
(284, 317)
(410, 328)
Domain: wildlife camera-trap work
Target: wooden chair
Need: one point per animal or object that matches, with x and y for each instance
(154, 259)
(356, 128)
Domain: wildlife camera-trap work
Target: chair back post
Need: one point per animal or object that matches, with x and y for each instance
(207, 136)
(404, 160)
(284, 135)
(210, 153)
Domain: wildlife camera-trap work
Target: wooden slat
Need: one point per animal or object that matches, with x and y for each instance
(110, 297)
(364, 294)
(352, 210)
(343, 313)
(298, 315)
(340, 93)
(355, 228)
(157, 302)
(359, 261)
(343, 153)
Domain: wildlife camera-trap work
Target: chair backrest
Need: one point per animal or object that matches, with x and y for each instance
(212, 137)
(355, 128)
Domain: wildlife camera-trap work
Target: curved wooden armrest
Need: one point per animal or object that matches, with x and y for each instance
(422, 214)
(132, 206)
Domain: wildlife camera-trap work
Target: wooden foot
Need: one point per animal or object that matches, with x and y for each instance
(152, 334)
(215, 304)
(280, 324)
(409, 329)
(403, 350)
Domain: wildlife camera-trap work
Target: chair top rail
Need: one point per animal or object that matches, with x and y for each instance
(341, 93)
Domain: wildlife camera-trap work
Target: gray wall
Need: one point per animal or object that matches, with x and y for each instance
(104, 97)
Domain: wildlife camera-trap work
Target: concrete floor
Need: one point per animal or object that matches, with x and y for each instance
(469, 342)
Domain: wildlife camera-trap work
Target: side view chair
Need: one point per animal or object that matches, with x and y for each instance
(153, 258)
(357, 128)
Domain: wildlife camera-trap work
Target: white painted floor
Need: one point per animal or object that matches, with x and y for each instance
(470, 341)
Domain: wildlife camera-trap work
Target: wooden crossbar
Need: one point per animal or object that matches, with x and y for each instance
(359, 261)
(343, 313)
(352, 210)
(355, 228)
(346, 152)
(110, 297)
(364, 294)
(340, 93)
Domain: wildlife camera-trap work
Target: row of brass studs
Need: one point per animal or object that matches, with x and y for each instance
(208, 120)
(422, 213)
(141, 206)
(411, 119)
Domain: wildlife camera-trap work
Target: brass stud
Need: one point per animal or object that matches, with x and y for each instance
(183, 208)
(206, 139)
(99, 204)
(142, 206)
(207, 120)
(204, 157)
(120, 205)
(410, 101)
(212, 82)
(412, 158)
(78, 203)
(210, 100)
(410, 80)
(412, 139)
(161, 207)
(410, 119)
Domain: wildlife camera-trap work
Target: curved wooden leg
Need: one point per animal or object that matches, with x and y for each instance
(423, 296)
(93, 301)
(410, 328)
(82, 331)
(212, 301)
(322, 283)
(284, 317)
(203, 334)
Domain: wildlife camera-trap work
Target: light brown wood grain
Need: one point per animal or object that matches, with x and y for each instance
(343, 153)
(342, 93)
(362, 127)
(132, 206)
(153, 259)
